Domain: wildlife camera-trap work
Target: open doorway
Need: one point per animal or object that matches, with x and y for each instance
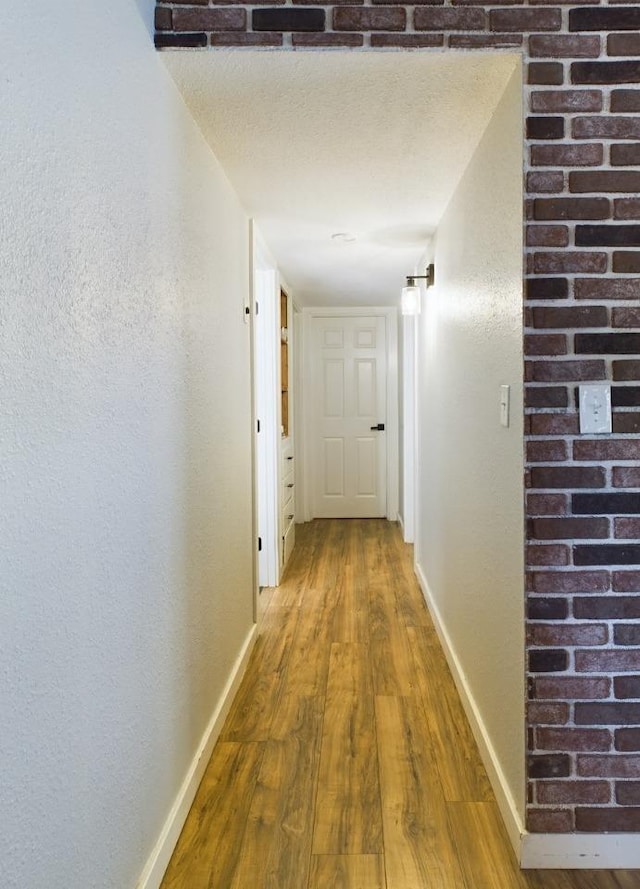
(350, 191)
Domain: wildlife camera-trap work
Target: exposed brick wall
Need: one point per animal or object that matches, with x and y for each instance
(582, 322)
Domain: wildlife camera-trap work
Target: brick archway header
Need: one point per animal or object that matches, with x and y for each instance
(582, 323)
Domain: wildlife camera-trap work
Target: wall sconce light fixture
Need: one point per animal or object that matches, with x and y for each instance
(410, 302)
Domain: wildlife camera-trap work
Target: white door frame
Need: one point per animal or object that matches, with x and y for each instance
(409, 425)
(265, 295)
(304, 415)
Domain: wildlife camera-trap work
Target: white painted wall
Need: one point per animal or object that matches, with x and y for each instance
(469, 548)
(125, 472)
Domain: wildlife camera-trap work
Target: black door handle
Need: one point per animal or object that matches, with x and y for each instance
(378, 428)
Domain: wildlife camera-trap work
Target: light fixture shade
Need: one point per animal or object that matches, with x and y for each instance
(410, 301)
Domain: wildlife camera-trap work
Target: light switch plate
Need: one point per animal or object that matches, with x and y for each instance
(504, 405)
(595, 408)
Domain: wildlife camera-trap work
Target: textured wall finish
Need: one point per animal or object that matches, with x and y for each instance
(469, 542)
(582, 278)
(125, 527)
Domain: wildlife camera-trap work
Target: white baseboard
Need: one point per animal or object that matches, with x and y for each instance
(537, 851)
(159, 859)
(573, 851)
(504, 798)
(401, 523)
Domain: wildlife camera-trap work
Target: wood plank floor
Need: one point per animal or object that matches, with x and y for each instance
(346, 761)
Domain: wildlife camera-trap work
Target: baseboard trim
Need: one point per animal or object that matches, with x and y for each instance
(504, 798)
(157, 862)
(608, 851)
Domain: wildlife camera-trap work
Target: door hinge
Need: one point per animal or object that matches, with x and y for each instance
(258, 425)
(259, 544)
(257, 309)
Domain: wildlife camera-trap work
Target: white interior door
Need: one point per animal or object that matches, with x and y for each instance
(349, 453)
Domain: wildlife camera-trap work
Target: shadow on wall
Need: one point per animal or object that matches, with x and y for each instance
(147, 11)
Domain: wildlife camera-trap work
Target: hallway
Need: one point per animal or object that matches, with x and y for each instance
(346, 760)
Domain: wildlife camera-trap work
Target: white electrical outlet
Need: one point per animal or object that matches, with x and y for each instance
(595, 408)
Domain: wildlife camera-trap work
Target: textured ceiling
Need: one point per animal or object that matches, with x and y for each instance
(372, 144)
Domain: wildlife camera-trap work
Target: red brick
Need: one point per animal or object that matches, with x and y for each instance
(568, 739)
(184, 40)
(571, 208)
(626, 476)
(163, 19)
(546, 396)
(606, 127)
(327, 39)
(626, 370)
(625, 154)
(625, 100)
(591, 661)
(549, 821)
(568, 792)
(554, 424)
(623, 44)
(545, 344)
(545, 182)
(626, 687)
(628, 793)
(607, 607)
(546, 504)
(482, 41)
(569, 528)
(231, 38)
(570, 316)
(611, 766)
(555, 555)
(626, 581)
(570, 581)
(626, 208)
(627, 739)
(569, 688)
(603, 820)
(569, 261)
(523, 19)
(548, 660)
(567, 634)
(312, 2)
(369, 18)
(449, 19)
(581, 155)
(627, 528)
(626, 422)
(547, 714)
(545, 73)
(209, 19)
(604, 181)
(545, 127)
(567, 477)
(626, 261)
(606, 449)
(564, 46)
(566, 371)
(607, 288)
(565, 100)
(546, 451)
(407, 40)
(605, 72)
(549, 765)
